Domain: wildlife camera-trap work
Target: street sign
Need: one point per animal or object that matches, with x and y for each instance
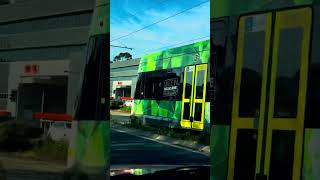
(31, 69)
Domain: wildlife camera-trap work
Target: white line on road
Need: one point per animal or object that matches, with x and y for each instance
(161, 142)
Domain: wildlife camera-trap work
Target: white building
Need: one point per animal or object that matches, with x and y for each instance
(42, 49)
(123, 78)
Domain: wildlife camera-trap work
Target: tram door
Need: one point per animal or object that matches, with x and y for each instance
(269, 95)
(193, 97)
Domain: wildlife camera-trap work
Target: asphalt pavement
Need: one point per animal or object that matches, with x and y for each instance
(128, 149)
(17, 168)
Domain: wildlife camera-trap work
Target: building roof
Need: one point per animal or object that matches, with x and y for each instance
(120, 64)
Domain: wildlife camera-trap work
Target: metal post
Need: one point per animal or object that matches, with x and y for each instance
(17, 102)
(42, 101)
(41, 120)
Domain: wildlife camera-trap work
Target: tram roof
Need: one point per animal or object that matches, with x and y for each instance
(223, 8)
(196, 53)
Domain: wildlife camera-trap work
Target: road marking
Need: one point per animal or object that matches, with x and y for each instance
(161, 142)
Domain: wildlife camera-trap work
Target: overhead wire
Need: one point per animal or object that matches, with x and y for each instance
(172, 45)
(168, 46)
(123, 47)
(161, 20)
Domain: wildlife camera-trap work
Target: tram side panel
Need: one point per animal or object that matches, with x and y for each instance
(223, 37)
(311, 149)
(159, 90)
(224, 51)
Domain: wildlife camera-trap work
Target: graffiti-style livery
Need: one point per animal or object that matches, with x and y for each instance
(172, 87)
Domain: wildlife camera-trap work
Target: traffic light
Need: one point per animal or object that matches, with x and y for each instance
(13, 95)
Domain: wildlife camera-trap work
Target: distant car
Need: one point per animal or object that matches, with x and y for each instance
(60, 131)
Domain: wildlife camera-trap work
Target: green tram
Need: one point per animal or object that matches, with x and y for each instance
(266, 116)
(88, 153)
(172, 88)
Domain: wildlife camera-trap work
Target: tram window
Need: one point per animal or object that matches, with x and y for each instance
(245, 161)
(186, 111)
(313, 98)
(313, 94)
(188, 84)
(210, 82)
(251, 76)
(282, 154)
(139, 88)
(90, 85)
(198, 111)
(153, 85)
(222, 100)
(157, 85)
(146, 86)
(287, 82)
(200, 84)
(160, 85)
(218, 43)
(173, 83)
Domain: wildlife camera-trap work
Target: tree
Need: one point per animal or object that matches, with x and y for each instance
(124, 56)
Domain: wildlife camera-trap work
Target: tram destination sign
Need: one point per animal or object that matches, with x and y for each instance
(171, 87)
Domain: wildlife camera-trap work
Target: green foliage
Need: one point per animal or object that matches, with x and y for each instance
(20, 137)
(126, 109)
(123, 56)
(200, 137)
(16, 136)
(48, 149)
(114, 104)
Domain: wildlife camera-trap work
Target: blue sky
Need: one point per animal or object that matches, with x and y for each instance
(130, 15)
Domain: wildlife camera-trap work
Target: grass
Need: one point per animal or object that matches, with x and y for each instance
(199, 137)
(16, 136)
(48, 150)
(126, 109)
(25, 141)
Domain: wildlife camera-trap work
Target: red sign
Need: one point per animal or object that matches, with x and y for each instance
(35, 68)
(52, 116)
(125, 98)
(5, 113)
(31, 69)
(119, 83)
(27, 69)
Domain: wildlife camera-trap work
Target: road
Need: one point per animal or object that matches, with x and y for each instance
(15, 168)
(127, 149)
(31, 175)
